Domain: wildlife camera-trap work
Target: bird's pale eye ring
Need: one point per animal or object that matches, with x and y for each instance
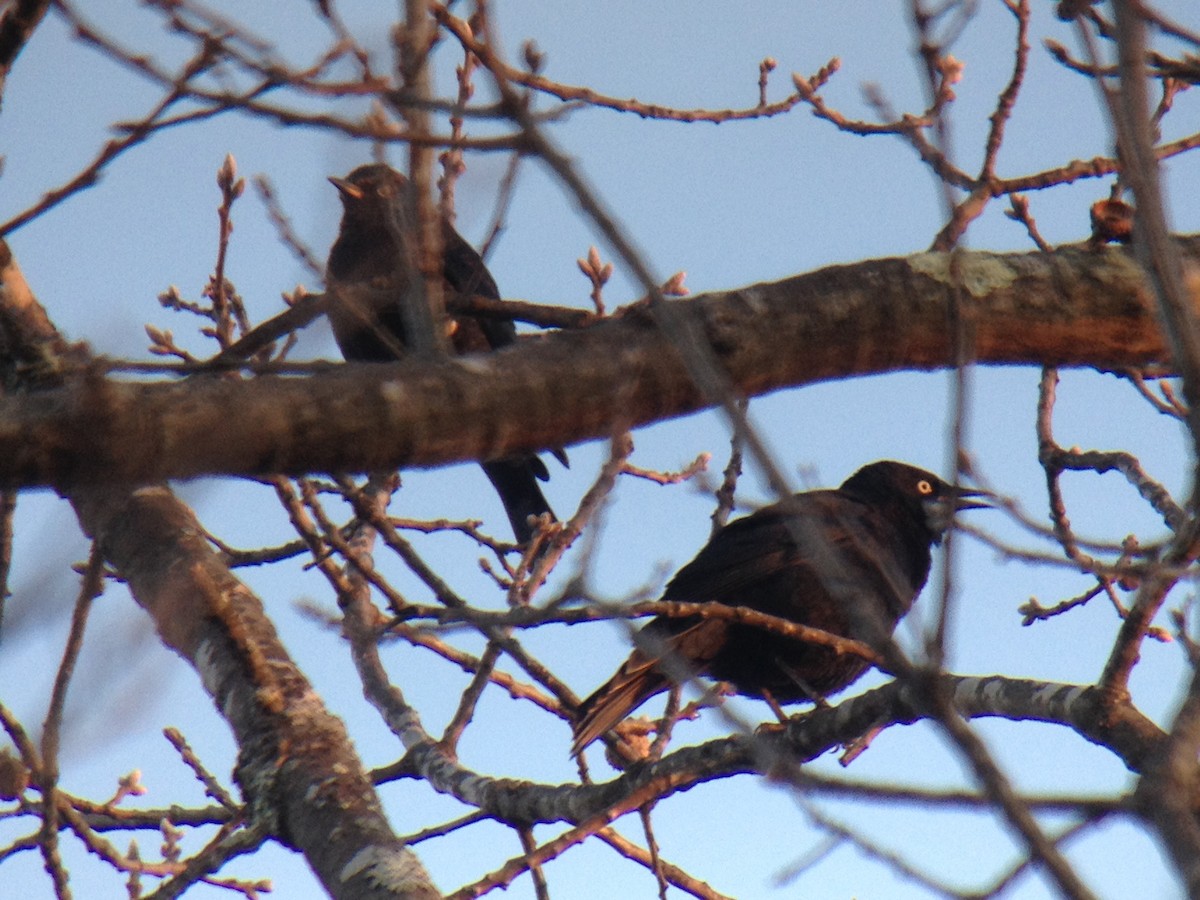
(924, 487)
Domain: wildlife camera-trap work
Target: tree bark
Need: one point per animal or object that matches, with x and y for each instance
(303, 782)
(1075, 307)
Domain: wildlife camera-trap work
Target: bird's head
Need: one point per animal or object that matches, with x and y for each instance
(369, 193)
(932, 500)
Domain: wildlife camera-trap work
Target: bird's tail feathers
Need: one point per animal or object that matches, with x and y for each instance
(515, 479)
(636, 682)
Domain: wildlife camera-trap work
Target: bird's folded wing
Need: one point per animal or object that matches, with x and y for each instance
(761, 546)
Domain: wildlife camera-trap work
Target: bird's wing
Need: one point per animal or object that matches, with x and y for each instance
(366, 319)
(467, 274)
(809, 538)
(733, 568)
(787, 560)
(751, 550)
(464, 268)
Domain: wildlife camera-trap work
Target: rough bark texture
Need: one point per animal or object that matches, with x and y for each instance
(296, 765)
(1076, 307)
(1122, 729)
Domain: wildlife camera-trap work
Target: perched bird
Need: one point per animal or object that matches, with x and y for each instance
(873, 535)
(370, 277)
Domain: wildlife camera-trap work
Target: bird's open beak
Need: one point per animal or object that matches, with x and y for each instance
(969, 499)
(347, 188)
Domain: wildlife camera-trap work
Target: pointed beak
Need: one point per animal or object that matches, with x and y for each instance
(969, 499)
(346, 188)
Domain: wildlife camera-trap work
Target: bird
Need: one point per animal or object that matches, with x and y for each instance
(874, 534)
(369, 278)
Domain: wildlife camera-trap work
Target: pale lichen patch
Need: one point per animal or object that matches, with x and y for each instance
(397, 870)
(393, 391)
(477, 364)
(980, 274)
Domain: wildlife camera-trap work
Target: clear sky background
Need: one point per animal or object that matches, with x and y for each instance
(731, 205)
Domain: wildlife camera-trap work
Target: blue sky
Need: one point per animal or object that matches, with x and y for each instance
(730, 204)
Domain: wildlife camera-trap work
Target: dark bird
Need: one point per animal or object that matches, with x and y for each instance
(371, 277)
(872, 535)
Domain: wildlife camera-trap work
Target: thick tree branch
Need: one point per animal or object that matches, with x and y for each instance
(296, 764)
(1123, 730)
(1171, 780)
(1078, 307)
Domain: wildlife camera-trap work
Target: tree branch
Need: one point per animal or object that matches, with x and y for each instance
(1078, 307)
(1123, 730)
(296, 765)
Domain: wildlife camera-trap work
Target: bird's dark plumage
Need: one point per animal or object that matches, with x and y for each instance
(873, 534)
(370, 275)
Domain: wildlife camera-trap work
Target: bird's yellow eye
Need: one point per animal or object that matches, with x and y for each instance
(924, 487)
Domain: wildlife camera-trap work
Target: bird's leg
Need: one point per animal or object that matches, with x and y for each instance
(775, 707)
(817, 698)
(772, 727)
